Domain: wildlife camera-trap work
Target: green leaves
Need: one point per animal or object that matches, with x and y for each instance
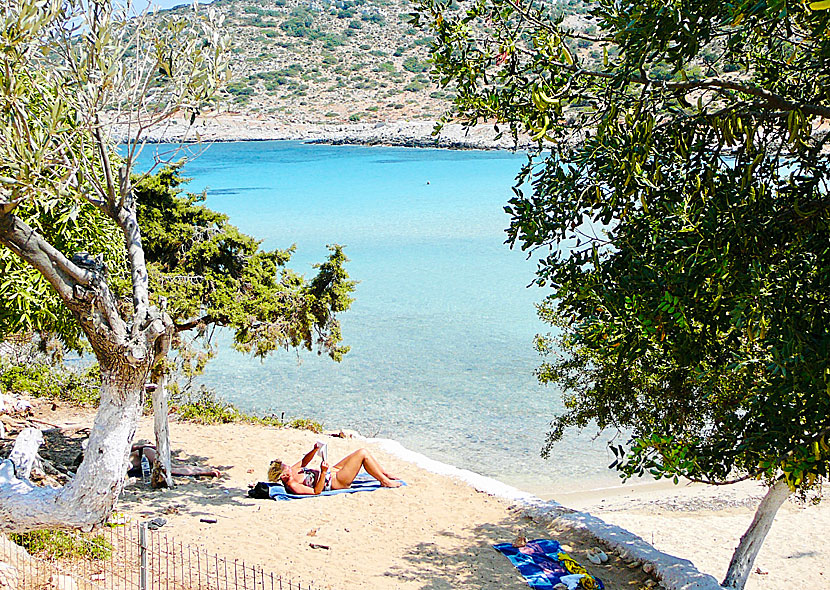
(684, 214)
(208, 271)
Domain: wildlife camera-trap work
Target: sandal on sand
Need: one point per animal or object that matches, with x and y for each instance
(597, 555)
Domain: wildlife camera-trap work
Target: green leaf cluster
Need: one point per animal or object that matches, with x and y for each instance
(40, 379)
(206, 273)
(682, 220)
(53, 544)
(71, 225)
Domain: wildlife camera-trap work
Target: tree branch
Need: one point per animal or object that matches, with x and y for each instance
(59, 271)
(770, 99)
(193, 322)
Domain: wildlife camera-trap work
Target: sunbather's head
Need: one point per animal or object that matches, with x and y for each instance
(276, 470)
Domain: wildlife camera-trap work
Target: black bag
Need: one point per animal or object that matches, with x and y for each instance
(261, 491)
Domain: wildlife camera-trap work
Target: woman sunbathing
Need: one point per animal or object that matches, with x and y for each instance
(299, 479)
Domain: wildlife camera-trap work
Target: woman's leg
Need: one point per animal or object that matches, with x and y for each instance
(152, 455)
(348, 468)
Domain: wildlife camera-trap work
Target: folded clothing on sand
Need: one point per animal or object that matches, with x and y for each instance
(276, 491)
(544, 565)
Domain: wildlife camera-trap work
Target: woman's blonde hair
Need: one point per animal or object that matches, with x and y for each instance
(276, 470)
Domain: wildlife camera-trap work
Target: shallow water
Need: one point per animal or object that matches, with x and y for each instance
(442, 325)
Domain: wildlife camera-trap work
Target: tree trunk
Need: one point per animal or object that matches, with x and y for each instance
(162, 470)
(752, 540)
(89, 498)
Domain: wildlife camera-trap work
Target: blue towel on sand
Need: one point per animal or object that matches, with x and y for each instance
(543, 564)
(276, 491)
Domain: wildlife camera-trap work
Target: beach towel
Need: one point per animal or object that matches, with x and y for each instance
(276, 491)
(544, 565)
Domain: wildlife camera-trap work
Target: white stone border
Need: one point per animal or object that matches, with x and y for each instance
(673, 572)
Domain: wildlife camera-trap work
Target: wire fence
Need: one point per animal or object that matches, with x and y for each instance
(130, 557)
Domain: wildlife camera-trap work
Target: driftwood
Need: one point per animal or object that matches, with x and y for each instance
(69, 429)
(43, 422)
(24, 453)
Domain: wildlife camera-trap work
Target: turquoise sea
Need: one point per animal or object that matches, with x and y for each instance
(441, 330)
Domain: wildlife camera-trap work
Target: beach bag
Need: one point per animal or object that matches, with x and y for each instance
(261, 491)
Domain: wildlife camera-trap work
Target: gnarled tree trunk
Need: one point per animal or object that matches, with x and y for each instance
(125, 347)
(89, 498)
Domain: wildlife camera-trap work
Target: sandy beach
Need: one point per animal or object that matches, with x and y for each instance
(437, 531)
(433, 533)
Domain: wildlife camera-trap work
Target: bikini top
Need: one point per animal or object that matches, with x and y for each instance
(310, 476)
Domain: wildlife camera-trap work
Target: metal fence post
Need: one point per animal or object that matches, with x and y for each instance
(142, 548)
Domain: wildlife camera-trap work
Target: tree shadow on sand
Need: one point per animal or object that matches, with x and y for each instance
(437, 566)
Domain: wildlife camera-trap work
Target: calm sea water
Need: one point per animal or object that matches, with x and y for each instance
(442, 326)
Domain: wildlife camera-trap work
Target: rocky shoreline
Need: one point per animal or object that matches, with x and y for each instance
(225, 128)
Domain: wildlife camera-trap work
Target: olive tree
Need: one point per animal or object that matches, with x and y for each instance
(64, 67)
(681, 219)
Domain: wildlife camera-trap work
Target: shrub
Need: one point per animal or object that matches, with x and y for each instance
(330, 41)
(414, 86)
(375, 18)
(306, 424)
(301, 24)
(239, 89)
(62, 545)
(206, 408)
(414, 65)
(60, 383)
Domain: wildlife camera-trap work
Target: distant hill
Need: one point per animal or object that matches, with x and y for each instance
(328, 61)
(336, 61)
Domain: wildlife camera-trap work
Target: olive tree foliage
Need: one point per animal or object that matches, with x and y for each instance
(68, 211)
(681, 219)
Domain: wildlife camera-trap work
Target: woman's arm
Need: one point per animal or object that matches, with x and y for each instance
(321, 480)
(309, 456)
(299, 489)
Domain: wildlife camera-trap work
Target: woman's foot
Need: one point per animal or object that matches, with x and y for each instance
(391, 483)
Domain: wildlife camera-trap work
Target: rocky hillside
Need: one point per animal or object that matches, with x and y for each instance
(328, 61)
(337, 61)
